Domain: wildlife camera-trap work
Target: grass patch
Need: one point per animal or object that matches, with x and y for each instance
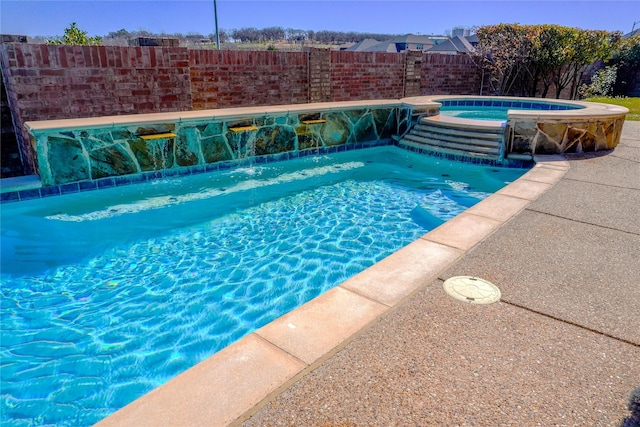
(633, 104)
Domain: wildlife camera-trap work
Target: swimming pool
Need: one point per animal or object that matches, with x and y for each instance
(108, 294)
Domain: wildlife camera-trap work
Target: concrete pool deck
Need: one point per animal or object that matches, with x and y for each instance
(390, 347)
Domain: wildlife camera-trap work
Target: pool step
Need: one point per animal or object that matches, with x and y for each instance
(447, 135)
(448, 151)
(440, 143)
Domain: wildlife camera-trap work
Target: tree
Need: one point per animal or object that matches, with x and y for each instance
(627, 60)
(519, 57)
(75, 36)
(581, 48)
(504, 52)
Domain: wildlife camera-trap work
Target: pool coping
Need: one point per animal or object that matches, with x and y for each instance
(587, 110)
(231, 385)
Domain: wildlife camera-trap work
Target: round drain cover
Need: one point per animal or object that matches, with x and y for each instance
(472, 289)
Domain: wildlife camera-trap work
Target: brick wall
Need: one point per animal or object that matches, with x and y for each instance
(10, 159)
(46, 82)
(56, 82)
(449, 75)
(53, 82)
(229, 78)
(366, 75)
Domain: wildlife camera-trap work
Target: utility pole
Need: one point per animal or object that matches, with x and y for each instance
(215, 15)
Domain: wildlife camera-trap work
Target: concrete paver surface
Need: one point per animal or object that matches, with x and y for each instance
(562, 347)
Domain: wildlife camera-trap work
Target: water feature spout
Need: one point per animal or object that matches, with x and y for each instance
(313, 124)
(245, 144)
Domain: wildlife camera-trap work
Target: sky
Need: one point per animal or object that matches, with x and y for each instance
(99, 17)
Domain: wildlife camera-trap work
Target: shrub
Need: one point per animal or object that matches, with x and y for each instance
(74, 35)
(602, 83)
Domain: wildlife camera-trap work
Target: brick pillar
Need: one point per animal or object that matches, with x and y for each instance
(320, 75)
(412, 69)
(14, 146)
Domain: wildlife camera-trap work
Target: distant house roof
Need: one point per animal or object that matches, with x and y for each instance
(397, 44)
(473, 39)
(412, 38)
(363, 45)
(454, 45)
(631, 34)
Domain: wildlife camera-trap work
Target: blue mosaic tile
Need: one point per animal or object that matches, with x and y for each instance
(341, 148)
(136, 179)
(154, 175)
(184, 171)
(526, 105)
(87, 185)
(50, 191)
(106, 182)
(210, 167)
(260, 160)
(198, 169)
(169, 173)
(278, 157)
(222, 166)
(33, 193)
(9, 197)
(122, 180)
(69, 188)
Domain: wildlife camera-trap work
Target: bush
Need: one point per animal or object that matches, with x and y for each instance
(602, 83)
(75, 36)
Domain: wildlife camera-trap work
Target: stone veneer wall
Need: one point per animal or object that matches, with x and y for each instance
(91, 153)
(557, 136)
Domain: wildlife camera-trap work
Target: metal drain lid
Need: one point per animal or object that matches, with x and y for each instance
(472, 290)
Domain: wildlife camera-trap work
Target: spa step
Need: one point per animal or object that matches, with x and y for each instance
(471, 138)
(477, 133)
(448, 151)
(439, 143)
(520, 156)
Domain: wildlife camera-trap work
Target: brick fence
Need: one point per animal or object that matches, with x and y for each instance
(45, 82)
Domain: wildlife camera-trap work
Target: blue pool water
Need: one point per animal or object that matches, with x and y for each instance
(497, 108)
(476, 113)
(107, 295)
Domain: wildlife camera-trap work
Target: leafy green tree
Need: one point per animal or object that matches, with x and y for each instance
(627, 60)
(583, 48)
(520, 57)
(504, 52)
(75, 36)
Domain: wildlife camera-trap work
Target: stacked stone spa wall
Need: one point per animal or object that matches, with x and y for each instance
(93, 153)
